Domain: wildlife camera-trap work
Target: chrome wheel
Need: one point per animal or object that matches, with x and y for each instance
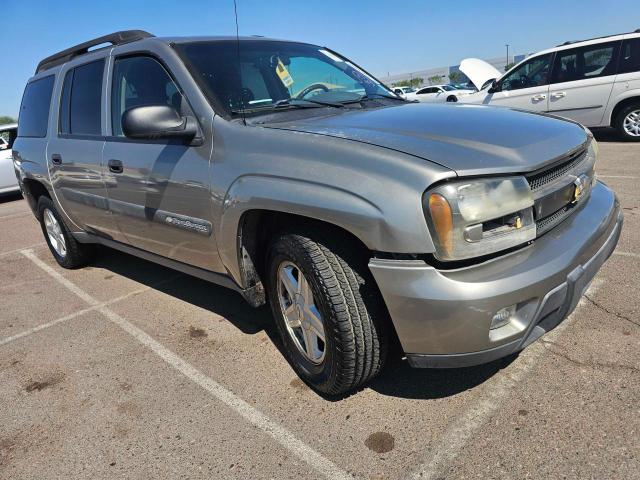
(631, 123)
(302, 317)
(54, 232)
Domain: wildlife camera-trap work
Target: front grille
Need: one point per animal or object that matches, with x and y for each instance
(540, 178)
(547, 223)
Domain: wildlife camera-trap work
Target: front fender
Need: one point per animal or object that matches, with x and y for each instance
(366, 220)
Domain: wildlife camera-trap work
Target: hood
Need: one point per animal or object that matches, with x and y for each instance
(469, 139)
(479, 71)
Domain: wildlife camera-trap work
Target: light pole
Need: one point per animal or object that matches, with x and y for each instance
(507, 45)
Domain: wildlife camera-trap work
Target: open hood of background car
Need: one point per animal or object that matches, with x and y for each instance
(479, 71)
(469, 139)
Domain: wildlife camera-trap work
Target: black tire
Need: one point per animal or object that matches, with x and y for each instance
(354, 318)
(77, 254)
(452, 98)
(618, 122)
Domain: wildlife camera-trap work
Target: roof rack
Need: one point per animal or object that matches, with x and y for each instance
(594, 38)
(117, 38)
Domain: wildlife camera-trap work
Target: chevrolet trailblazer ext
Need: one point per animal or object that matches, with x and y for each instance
(286, 172)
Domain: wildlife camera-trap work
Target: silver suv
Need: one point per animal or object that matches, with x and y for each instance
(286, 172)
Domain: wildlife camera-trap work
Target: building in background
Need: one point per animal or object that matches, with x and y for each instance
(452, 74)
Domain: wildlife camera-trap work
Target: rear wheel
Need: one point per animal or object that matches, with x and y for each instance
(67, 251)
(627, 123)
(328, 312)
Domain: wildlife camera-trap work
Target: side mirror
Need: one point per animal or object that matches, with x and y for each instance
(495, 87)
(158, 121)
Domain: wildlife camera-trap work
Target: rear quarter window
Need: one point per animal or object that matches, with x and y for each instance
(630, 56)
(34, 110)
(80, 106)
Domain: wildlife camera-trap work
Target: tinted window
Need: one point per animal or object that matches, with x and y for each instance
(585, 62)
(630, 56)
(34, 111)
(80, 107)
(140, 81)
(533, 73)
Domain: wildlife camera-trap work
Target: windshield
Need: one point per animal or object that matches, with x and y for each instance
(447, 88)
(408, 90)
(273, 74)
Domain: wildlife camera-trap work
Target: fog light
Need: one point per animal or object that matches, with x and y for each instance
(502, 317)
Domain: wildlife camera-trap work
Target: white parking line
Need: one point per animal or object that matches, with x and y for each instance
(617, 176)
(283, 436)
(458, 434)
(627, 254)
(79, 313)
(19, 250)
(16, 215)
(71, 316)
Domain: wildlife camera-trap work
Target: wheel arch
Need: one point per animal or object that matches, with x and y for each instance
(625, 102)
(303, 199)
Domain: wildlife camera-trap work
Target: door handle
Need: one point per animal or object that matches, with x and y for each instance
(537, 98)
(559, 94)
(56, 159)
(115, 166)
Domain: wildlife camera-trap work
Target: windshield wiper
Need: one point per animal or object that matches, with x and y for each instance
(371, 96)
(304, 103)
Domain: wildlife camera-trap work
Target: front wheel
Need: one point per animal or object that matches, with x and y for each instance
(627, 122)
(327, 311)
(452, 98)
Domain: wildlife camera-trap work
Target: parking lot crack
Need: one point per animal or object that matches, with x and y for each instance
(589, 364)
(610, 312)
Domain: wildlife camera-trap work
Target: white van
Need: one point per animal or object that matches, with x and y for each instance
(595, 82)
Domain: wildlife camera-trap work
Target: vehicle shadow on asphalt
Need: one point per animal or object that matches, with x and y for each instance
(10, 197)
(609, 135)
(398, 379)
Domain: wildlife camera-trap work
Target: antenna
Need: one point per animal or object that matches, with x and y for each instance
(235, 11)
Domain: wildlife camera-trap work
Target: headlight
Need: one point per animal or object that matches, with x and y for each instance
(479, 217)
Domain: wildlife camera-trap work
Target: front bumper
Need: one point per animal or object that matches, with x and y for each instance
(442, 317)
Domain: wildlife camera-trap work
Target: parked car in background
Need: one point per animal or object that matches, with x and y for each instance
(8, 180)
(595, 82)
(463, 231)
(438, 94)
(403, 91)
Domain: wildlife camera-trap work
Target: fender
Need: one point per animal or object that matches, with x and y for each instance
(366, 220)
(621, 97)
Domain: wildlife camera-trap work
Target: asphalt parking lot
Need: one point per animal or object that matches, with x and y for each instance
(128, 369)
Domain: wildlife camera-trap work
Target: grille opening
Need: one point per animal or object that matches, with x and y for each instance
(548, 175)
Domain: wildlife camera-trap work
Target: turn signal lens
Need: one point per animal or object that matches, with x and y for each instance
(442, 221)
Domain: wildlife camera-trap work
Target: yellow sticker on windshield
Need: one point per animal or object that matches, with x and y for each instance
(283, 73)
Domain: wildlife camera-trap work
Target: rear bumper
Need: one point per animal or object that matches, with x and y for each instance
(443, 317)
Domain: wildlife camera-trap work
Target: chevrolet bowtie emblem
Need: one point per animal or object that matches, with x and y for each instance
(578, 189)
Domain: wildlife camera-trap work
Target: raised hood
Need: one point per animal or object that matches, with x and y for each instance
(469, 139)
(479, 71)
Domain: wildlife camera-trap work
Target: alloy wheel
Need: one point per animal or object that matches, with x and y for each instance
(631, 123)
(54, 232)
(301, 315)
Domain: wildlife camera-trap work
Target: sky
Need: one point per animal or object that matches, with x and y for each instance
(380, 35)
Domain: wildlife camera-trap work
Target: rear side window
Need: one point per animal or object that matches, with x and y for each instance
(81, 101)
(586, 62)
(34, 111)
(630, 56)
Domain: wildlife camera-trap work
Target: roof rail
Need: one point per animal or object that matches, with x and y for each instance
(570, 42)
(117, 38)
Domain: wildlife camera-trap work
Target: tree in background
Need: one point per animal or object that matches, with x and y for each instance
(414, 82)
(508, 66)
(435, 79)
(455, 76)
(6, 119)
